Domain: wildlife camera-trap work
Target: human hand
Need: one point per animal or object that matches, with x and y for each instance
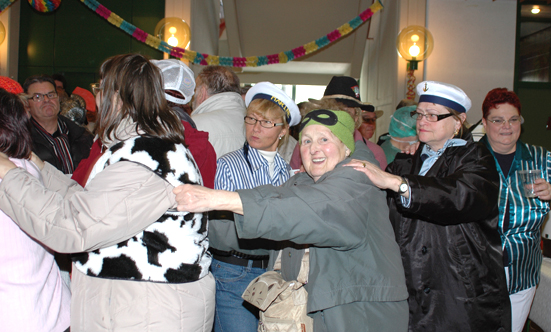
(192, 198)
(380, 178)
(412, 148)
(5, 165)
(542, 189)
(37, 161)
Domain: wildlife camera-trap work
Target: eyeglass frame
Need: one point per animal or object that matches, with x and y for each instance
(418, 116)
(262, 122)
(39, 97)
(517, 121)
(96, 88)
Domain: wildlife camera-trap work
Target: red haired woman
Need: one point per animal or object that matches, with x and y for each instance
(520, 217)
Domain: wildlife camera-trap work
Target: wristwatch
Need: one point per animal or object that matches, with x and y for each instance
(403, 188)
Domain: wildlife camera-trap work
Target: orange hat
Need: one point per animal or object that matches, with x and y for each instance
(88, 98)
(10, 85)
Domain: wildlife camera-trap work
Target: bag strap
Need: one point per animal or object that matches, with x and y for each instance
(304, 266)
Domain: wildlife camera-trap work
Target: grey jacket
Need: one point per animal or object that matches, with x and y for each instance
(343, 217)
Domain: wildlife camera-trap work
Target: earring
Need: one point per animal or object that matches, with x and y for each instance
(280, 137)
(456, 132)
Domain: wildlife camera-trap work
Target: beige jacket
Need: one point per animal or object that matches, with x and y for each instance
(117, 204)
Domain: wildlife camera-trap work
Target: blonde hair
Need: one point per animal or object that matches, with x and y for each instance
(271, 111)
(464, 124)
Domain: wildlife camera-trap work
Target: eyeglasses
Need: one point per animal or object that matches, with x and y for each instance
(512, 121)
(96, 88)
(38, 97)
(369, 120)
(430, 117)
(263, 123)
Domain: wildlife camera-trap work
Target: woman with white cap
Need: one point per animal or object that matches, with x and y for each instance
(442, 204)
(236, 262)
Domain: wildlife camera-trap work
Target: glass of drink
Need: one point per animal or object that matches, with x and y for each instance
(528, 179)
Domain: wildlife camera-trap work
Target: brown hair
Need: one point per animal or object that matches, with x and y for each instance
(464, 124)
(135, 83)
(332, 104)
(15, 127)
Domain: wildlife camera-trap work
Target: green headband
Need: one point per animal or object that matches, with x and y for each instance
(340, 123)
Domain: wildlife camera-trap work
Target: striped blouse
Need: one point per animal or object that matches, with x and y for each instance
(236, 170)
(521, 239)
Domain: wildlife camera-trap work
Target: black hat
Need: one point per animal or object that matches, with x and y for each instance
(345, 89)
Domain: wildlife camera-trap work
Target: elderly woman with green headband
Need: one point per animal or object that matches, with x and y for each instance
(355, 280)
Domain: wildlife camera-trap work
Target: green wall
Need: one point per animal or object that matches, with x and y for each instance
(74, 40)
(536, 109)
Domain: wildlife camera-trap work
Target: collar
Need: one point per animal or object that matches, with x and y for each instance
(220, 101)
(449, 143)
(125, 130)
(521, 152)
(257, 161)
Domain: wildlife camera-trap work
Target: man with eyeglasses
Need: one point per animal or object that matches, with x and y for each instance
(56, 139)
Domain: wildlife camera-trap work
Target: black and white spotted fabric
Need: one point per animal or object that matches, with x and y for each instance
(174, 248)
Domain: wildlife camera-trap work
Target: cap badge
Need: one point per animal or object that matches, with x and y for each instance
(356, 90)
(426, 88)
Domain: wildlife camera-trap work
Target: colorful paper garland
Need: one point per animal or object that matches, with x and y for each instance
(5, 4)
(252, 61)
(207, 59)
(45, 6)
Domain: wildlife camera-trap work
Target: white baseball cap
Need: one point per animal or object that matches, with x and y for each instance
(267, 90)
(444, 94)
(177, 77)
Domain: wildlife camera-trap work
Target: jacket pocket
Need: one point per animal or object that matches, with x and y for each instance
(466, 262)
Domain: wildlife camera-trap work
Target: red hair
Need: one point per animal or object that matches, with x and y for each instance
(497, 97)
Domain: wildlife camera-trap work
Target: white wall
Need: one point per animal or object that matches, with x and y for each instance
(9, 49)
(474, 46)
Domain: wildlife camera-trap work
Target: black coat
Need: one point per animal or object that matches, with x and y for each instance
(80, 142)
(449, 242)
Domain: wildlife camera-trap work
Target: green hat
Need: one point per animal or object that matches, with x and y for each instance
(340, 123)
(402, 124)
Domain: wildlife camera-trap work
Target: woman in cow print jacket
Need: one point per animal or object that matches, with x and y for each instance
(141, 264)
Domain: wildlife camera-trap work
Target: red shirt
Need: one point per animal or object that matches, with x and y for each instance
(196, 140)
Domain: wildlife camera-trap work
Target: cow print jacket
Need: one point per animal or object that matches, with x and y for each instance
(172, 249)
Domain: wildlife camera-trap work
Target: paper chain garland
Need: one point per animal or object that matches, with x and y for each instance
(251, 61)
(45, 6)
(5, 4)
(207, 59)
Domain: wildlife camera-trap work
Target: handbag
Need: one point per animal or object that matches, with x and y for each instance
(282, 303)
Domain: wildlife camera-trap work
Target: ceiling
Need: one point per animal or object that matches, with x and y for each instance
(251, 31)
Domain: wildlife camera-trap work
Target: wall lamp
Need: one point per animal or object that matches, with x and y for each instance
(414, 44)
(174, 31)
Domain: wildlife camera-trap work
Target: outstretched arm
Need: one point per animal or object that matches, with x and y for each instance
(195, 198)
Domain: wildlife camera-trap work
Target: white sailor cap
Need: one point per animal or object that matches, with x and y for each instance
(444, 94)
(267, 90)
